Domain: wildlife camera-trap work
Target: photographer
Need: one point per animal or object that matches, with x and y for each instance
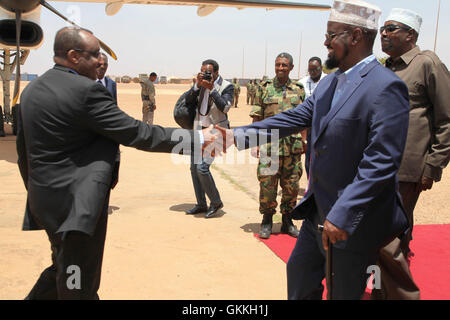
(213, 97)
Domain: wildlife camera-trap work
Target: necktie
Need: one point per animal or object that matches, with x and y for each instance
(100, 81)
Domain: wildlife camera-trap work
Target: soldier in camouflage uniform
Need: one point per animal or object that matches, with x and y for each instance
(253, 89)
(274, 96)
(237, 91)
(249, 90)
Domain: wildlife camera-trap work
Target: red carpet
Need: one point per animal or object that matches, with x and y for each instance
(430, 265)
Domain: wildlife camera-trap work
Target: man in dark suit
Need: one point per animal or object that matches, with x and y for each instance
(69, 130)
(107, 82)
(111, 85)
(359, 121)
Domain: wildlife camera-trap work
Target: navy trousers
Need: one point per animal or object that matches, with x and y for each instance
(307, 264)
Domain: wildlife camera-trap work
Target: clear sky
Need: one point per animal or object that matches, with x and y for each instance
(173, 40)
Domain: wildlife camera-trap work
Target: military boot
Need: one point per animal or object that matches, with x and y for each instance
(266, 226)
(288, 227)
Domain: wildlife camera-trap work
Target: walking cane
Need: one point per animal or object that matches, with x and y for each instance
(329, 271)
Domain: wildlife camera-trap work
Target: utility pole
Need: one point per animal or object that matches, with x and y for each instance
(437, 25)
(300, 54)
(243, 61)
(265, 60)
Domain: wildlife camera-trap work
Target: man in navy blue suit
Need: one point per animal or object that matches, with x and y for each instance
(359, 121)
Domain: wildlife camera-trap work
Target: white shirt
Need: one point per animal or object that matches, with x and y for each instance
(310, 85)
(102, 81)
(205, 121)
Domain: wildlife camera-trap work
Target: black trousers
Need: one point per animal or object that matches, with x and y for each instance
(2, 129)
(77, 262)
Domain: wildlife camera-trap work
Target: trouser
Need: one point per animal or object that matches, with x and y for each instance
(203, 182)
(252, 98)
(288, 175)
(396, 280)
(147, 112)
(2, 129)
(76, 265)
(248, 97)
(306, 268)
(308, 153)
(236, 100)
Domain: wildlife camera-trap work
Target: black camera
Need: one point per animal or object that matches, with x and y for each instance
(207, 76)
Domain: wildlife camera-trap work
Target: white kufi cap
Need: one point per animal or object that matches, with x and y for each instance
(407, 17)
(356, 13)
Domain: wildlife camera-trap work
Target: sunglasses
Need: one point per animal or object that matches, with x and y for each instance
(392, 28)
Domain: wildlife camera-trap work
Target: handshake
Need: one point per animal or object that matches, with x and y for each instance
(216, 140)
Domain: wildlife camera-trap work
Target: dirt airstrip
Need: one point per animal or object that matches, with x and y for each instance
(153, 249)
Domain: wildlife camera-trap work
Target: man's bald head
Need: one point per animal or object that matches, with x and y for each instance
(77, 49)
(69, 38)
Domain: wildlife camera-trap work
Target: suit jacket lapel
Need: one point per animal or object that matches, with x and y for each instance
(107, 83)
(349, 90)
(322, 107)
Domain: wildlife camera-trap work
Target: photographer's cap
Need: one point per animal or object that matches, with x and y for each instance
(356, 13)
(407, 17)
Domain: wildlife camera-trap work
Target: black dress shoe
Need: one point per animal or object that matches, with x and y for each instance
(197, 209)
(213, 209)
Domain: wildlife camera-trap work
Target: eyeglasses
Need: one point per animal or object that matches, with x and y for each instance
(315, 69)
(331, 36)
(392, 27)
(95, 54)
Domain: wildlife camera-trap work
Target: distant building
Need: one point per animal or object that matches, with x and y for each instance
(163, 80)
(125, 79)
(24, 77)
(143, 76)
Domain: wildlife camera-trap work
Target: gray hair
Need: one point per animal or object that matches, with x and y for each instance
(287, 56)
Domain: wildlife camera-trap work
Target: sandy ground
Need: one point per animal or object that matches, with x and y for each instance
(153, 249)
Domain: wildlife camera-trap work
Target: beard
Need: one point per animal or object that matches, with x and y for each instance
(333, 62)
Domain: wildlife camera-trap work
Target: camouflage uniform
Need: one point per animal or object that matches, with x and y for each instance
(253, 89)
(271, 99)
(148, 101)
(249, 90)
(237, 91)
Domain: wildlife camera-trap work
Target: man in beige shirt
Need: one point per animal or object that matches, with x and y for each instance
(148, 99)
(427, 148)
